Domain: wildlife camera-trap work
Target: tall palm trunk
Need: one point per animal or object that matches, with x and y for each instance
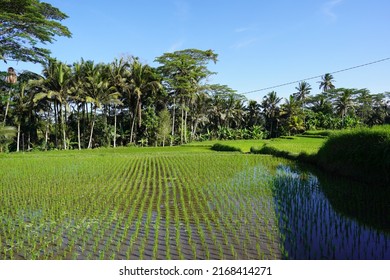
(114, 126)
(132, 129)
(137, 112)
(173, 121)
(185, 125)
(78, 128)
(63, 126)
(56, 122)
(92, 126)
(182, 125)
(18, 139)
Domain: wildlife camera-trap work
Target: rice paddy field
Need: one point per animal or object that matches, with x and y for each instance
(172, 203)
(179, 203)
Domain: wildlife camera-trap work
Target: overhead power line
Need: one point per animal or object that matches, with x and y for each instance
(316, 77)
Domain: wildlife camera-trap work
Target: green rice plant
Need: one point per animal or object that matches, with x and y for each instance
(164, 176)
(157, 184)
(150, 184)
(107, 204)
(193, 204)
(137, 207)
(175, 193)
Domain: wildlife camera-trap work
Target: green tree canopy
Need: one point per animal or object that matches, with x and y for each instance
(24, 25)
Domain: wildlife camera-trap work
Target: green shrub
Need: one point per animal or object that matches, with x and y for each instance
(255, 149)
(225, 148)
(269, 150)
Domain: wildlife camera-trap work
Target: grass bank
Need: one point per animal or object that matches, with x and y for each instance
(290, 147)
(363, 154)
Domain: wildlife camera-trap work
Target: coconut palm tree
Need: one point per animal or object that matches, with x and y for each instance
(143, 79)
(77, 94)
(98, 92)
(365, 104)
(271, 109)
(120, 73)
(24, 107)
(55, 87)
(199, 111)
(321, 103)
(327, 82)
(292, 112)
(303, 90)
(253, 114)
(343, 101)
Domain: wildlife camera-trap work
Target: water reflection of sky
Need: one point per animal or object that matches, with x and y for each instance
(313, 229)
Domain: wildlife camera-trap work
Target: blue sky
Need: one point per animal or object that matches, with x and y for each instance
(260, 43)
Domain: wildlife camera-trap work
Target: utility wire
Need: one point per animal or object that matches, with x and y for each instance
(316, 77)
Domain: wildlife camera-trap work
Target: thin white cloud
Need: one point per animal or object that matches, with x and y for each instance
(328, 9)
(244, 43)
(241, 29)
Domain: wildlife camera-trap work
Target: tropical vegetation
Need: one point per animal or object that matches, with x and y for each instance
(126, 102)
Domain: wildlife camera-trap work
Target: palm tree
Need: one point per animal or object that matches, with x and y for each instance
(24, 106)
(365, 104)
(143, 79)
(119, 75)
(98, 92)
(343, 101)
(379, 111)
(321, 103)
(303, 90)
(55, 87)
(270, 109)
(78, 94)
(234, 110)
(199, 111)
(327, 82)
(253, 114)
(292, 112)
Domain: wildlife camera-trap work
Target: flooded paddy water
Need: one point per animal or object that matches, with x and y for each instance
(185, 206)
(325, 217)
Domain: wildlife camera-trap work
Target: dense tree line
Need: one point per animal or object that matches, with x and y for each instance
(126, 102)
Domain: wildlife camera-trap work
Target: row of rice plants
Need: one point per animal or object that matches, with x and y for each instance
(197, 237)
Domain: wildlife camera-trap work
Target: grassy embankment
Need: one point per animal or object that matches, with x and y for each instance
(362, 154)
